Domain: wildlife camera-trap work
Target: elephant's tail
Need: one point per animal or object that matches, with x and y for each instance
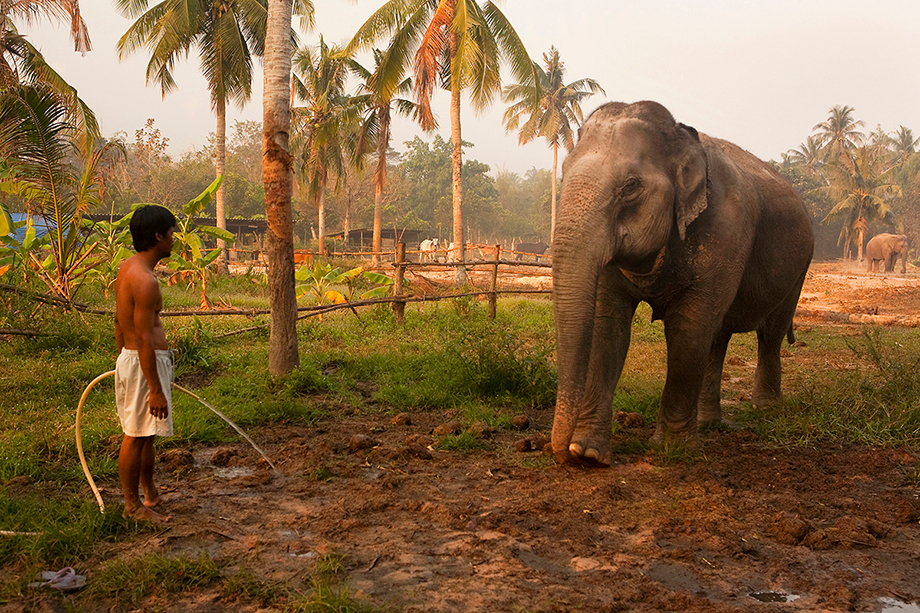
(790, 335)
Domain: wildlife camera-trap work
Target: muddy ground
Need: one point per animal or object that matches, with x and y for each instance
(743, 528)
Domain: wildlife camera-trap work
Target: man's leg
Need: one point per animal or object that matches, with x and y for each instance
(148, 456)
(130, 462)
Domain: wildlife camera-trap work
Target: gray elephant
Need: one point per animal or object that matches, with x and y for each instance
(887, 248)
(708, 235)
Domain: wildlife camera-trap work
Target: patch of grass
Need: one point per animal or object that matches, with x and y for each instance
(245, 585)
(329, 597)
(465, 442)
(127, 582)
(329, 564)
(69, 527)
(874, 403)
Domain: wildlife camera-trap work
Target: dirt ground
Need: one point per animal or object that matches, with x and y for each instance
(744, 528)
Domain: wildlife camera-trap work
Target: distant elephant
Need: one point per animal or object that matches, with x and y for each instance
(536, 249)
(887, 248)
(715, 240)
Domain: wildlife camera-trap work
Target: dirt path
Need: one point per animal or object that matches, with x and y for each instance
(743, 529)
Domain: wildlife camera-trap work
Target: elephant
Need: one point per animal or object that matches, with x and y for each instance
(712, 238)
(887, 248)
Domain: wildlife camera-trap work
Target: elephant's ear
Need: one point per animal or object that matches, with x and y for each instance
(692, 180)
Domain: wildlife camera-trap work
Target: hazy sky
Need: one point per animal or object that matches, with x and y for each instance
(758, 73)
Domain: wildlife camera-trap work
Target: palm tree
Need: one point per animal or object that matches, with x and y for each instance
(810, 154)
(325, 126)
(377, 103)
(548, 108)
(283, 355)
(227, 34)
(904, 143)
(861, 186)
(37, 143)
(21, 62)
(840, 134)
(458, 44)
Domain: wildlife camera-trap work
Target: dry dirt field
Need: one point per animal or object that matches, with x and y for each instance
(744, 528)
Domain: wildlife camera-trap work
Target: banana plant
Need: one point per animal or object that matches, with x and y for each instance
(325, 282)
(113, 239)
(190, 261)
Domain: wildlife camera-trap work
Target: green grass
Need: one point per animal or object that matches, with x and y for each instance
(446, 357)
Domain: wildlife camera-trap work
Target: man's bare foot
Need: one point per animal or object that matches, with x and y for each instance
(144, 513)
(152, 501)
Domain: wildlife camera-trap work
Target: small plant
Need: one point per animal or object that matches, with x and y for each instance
(329, 564)
(190, 261)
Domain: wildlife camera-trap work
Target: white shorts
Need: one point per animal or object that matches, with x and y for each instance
(132, 392)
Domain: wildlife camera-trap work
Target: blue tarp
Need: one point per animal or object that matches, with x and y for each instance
(41, 225)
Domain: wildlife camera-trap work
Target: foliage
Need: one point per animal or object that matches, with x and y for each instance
(190, 260)
(321, 281)
(39, 143)
(112, 238)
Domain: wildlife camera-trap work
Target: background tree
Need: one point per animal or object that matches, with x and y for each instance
(227, 34)
(21, 62)
(325, 126)
(839, 134)
(377, 96)
(283, 355)
(861, 186)
(458, 44)
(549, 108)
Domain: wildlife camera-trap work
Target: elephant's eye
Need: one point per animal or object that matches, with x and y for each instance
(630, 188)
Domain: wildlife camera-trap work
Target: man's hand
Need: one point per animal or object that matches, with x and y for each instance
(159, 408)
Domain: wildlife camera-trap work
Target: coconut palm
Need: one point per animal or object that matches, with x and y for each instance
(325, 126)
(283, 355)
(458, 44)
(549, 108)
(49, 173)
(862, 187)
(21, 62)
(904, 143)
(810, 154)
(840, 134)
(226, 33)
(378, 104)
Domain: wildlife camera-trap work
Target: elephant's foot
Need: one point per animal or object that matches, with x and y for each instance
(764, 397)
(588, 447)
(708, 417)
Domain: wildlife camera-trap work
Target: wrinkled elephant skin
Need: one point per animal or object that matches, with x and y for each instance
(887, 249)
(708, 235)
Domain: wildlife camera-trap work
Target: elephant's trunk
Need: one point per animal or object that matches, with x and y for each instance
(580, 249)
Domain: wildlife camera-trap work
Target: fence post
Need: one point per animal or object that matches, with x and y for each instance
(493, 294)
(399, 306)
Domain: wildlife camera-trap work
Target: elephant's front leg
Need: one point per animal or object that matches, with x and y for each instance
(689, 343)
(709, 407)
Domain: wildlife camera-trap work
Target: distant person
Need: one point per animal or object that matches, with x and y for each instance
(144, 370)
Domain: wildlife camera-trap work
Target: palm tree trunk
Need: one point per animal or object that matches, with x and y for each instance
(283, 356)
(552, 221)
(321, 214)
(220, 161)
(456, 168)
(380, 179)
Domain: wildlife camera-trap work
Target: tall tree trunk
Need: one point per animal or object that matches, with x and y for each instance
(456, 168)
(321, 216)
(380, 179)
(552, 215)
(220, 162)
(283, 354)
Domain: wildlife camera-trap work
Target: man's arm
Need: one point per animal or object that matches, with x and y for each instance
(147, 299)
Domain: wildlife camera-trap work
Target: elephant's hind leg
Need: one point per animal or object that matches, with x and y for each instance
(770, 335)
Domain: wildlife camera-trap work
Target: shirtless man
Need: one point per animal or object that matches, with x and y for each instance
(144, 370)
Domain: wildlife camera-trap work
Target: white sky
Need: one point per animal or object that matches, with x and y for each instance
(758, 73)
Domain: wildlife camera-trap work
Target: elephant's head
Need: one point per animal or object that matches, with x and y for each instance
(635, 179)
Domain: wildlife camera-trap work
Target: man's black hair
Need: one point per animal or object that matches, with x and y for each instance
(147, 222)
